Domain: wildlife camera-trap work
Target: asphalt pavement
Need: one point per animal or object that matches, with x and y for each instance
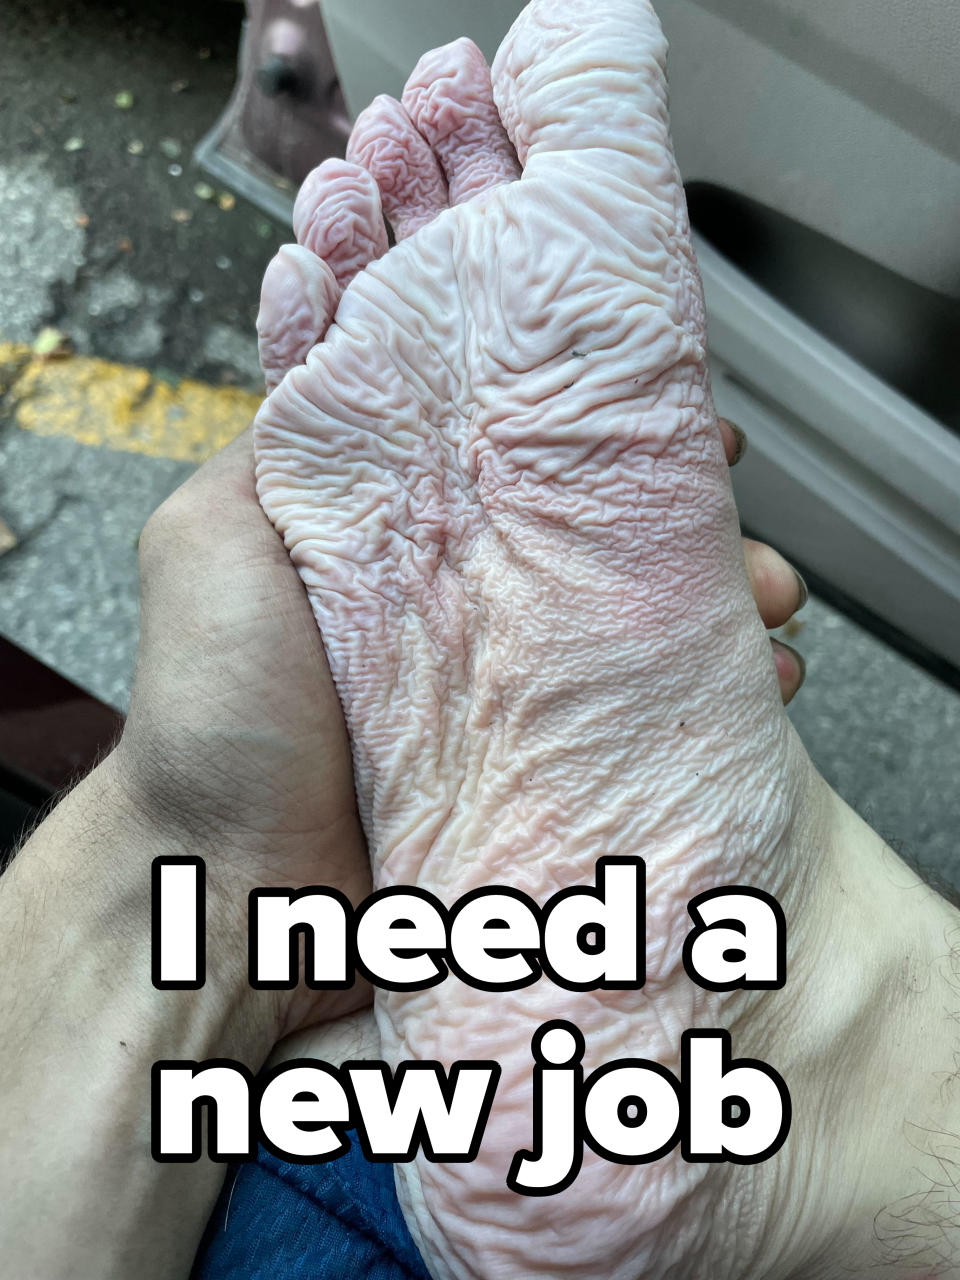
(114, 244)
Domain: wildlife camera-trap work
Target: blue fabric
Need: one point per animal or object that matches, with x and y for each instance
(334, 1221)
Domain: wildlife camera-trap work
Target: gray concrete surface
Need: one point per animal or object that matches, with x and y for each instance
(93, 242)
(68, 593)
(885, 734)
(129, 280)
(182, 300)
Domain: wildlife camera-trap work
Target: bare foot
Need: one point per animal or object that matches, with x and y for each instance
(501, 478)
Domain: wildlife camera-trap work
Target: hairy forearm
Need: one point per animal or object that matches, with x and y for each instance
(80, 1026)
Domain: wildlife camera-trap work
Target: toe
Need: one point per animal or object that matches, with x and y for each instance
(388, 145)
(562, 59)
(581, 90)
(791, 670)
(337, 215)
(777, 587)
(297, 301)
(449, 98)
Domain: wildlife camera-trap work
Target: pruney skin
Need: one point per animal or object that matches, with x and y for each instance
(500, 478)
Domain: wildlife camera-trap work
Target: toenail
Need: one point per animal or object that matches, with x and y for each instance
(741, 438)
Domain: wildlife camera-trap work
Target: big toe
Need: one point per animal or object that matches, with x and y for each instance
(575, 77)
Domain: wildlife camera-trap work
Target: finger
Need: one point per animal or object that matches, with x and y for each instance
(777, 587)
(449, 98)
(337, 215)
(387, 144)
(298, 299)
(734, 441)
(791, 669)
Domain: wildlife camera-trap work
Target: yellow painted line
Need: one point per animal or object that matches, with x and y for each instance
(116, 406)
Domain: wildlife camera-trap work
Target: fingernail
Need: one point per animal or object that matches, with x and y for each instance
(801, 663)
(741, 438)
(798, 659)
(804, 593)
